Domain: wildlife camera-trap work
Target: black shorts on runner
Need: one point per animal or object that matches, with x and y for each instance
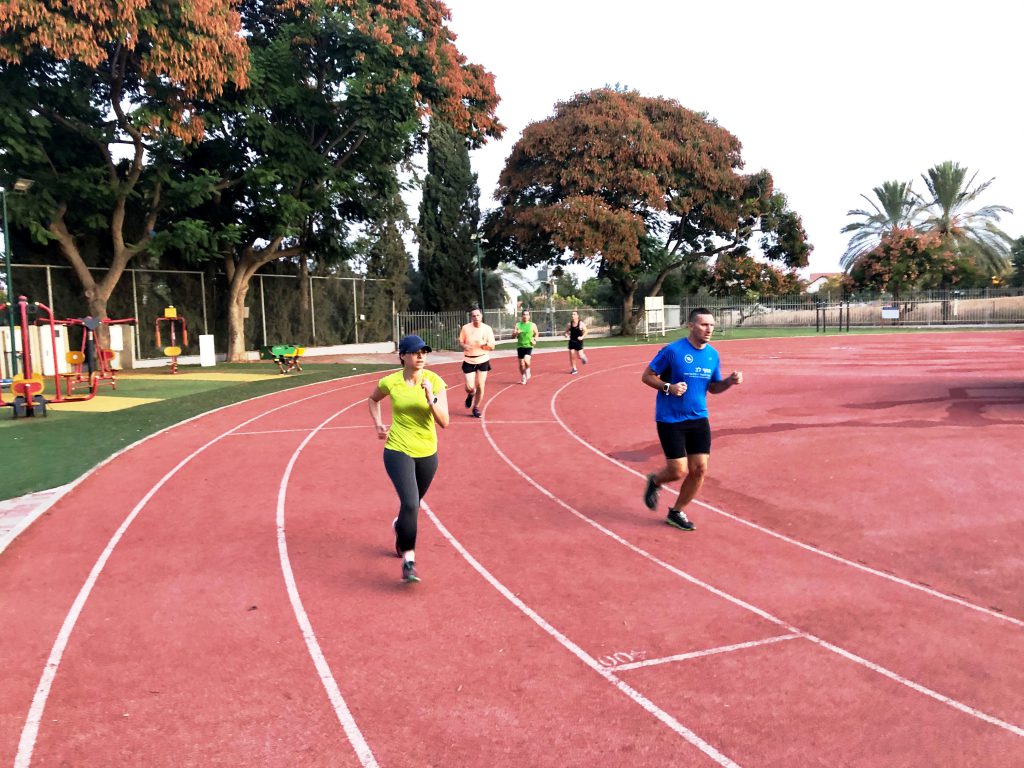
(524, 352)
(471, 367)
(680, 439)
(577, 344)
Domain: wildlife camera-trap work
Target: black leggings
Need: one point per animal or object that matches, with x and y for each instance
(411, 478)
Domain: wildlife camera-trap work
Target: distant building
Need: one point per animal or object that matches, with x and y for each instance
(817, 279)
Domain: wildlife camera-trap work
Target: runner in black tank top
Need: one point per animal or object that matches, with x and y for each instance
(576, 330)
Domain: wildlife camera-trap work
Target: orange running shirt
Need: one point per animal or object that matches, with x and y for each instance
(475, 337)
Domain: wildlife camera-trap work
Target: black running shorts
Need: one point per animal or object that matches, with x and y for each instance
(524, 352)
(684, 438)
(471, 367)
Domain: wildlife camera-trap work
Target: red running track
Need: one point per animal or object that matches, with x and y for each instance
(224, 593)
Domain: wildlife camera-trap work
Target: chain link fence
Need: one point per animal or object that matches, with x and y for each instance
(332, 311)
(1003, 306)
(282, 309)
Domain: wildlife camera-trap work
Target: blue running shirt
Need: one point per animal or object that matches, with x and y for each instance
(681, 361)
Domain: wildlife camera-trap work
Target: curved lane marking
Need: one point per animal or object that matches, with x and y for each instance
(30, 731)
(782, 537)
(323, 668)
(960, 706)
(579, 653)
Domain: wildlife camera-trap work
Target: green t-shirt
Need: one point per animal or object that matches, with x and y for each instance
(524, 334)
(412, 422)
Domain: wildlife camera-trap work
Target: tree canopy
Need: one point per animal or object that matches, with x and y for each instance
(632, 181)
(99, 97)
(975, 246)
(896, 206)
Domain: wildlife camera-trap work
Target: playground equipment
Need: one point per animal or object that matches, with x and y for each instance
(90, 361)
(28, 387)
(171, 318)
(285, 355)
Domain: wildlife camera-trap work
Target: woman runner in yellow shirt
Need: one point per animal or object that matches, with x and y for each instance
(418, 402)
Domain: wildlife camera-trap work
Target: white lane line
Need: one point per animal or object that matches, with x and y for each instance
(300, 430)
(35, 514)
(579, 653)
(782, 537)
(977, 713)
(341, 710)
(522, 421)
(30, 731)
(706, 652)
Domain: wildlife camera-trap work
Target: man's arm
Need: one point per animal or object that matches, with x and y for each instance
(653, 380)
(736, 377)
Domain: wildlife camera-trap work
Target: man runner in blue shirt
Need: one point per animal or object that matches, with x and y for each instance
(683, 373)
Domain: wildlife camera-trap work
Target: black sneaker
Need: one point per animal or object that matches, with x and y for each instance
(394, 527)
(651, 493)
(469, 399)
(677, 519)
(409, 572)
(476, 413)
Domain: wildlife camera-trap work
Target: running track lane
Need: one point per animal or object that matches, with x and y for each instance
(156, 598)
(548, 457)
(514, 565)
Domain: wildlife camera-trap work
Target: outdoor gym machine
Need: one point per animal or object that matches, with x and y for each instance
(173, 321)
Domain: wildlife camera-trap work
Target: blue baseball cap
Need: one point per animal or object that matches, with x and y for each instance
(412, 344)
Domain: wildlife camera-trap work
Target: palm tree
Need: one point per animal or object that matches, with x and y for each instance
(967, 232)
(897, 206)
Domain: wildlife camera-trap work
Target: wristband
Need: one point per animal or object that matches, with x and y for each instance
(666, 388)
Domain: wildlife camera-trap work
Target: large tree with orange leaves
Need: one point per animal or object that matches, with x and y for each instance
(638, 184)
(98, 98)
(341, 96)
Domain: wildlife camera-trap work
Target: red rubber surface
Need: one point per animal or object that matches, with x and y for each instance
(851, 595)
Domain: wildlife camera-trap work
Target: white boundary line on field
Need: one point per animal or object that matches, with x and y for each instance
(707, 652)
(30, 731)
(579, 653)
(61, 491)
(960, 706)
(323, 668)
(782, 537)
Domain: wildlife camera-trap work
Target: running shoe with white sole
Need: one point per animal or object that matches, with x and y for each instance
(677, 519)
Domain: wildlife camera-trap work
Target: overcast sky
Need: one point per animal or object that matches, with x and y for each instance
(832, 99)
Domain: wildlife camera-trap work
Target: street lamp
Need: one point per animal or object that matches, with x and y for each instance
(477, 239)
(21, 185)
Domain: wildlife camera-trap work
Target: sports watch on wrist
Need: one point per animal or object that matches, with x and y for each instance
(666, 388)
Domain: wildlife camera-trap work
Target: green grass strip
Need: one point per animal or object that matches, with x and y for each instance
(46, 452)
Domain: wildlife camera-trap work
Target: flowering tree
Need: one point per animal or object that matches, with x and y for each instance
(637, 184)
(100, 96)
(342, 95)
(743, 275)
(906, 259)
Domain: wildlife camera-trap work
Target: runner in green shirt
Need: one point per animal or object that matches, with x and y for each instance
(526, 340)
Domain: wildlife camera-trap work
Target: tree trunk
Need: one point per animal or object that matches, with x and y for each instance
(239, 274)
(628, 321)
(305, 315)
(238, 289)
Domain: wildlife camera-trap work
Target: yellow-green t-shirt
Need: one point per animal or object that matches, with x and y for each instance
(412, 422)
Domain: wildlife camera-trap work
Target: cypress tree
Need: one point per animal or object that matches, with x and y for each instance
(389, 262)
(449, 215)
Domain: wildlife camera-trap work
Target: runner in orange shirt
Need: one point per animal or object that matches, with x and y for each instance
(477, 340)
